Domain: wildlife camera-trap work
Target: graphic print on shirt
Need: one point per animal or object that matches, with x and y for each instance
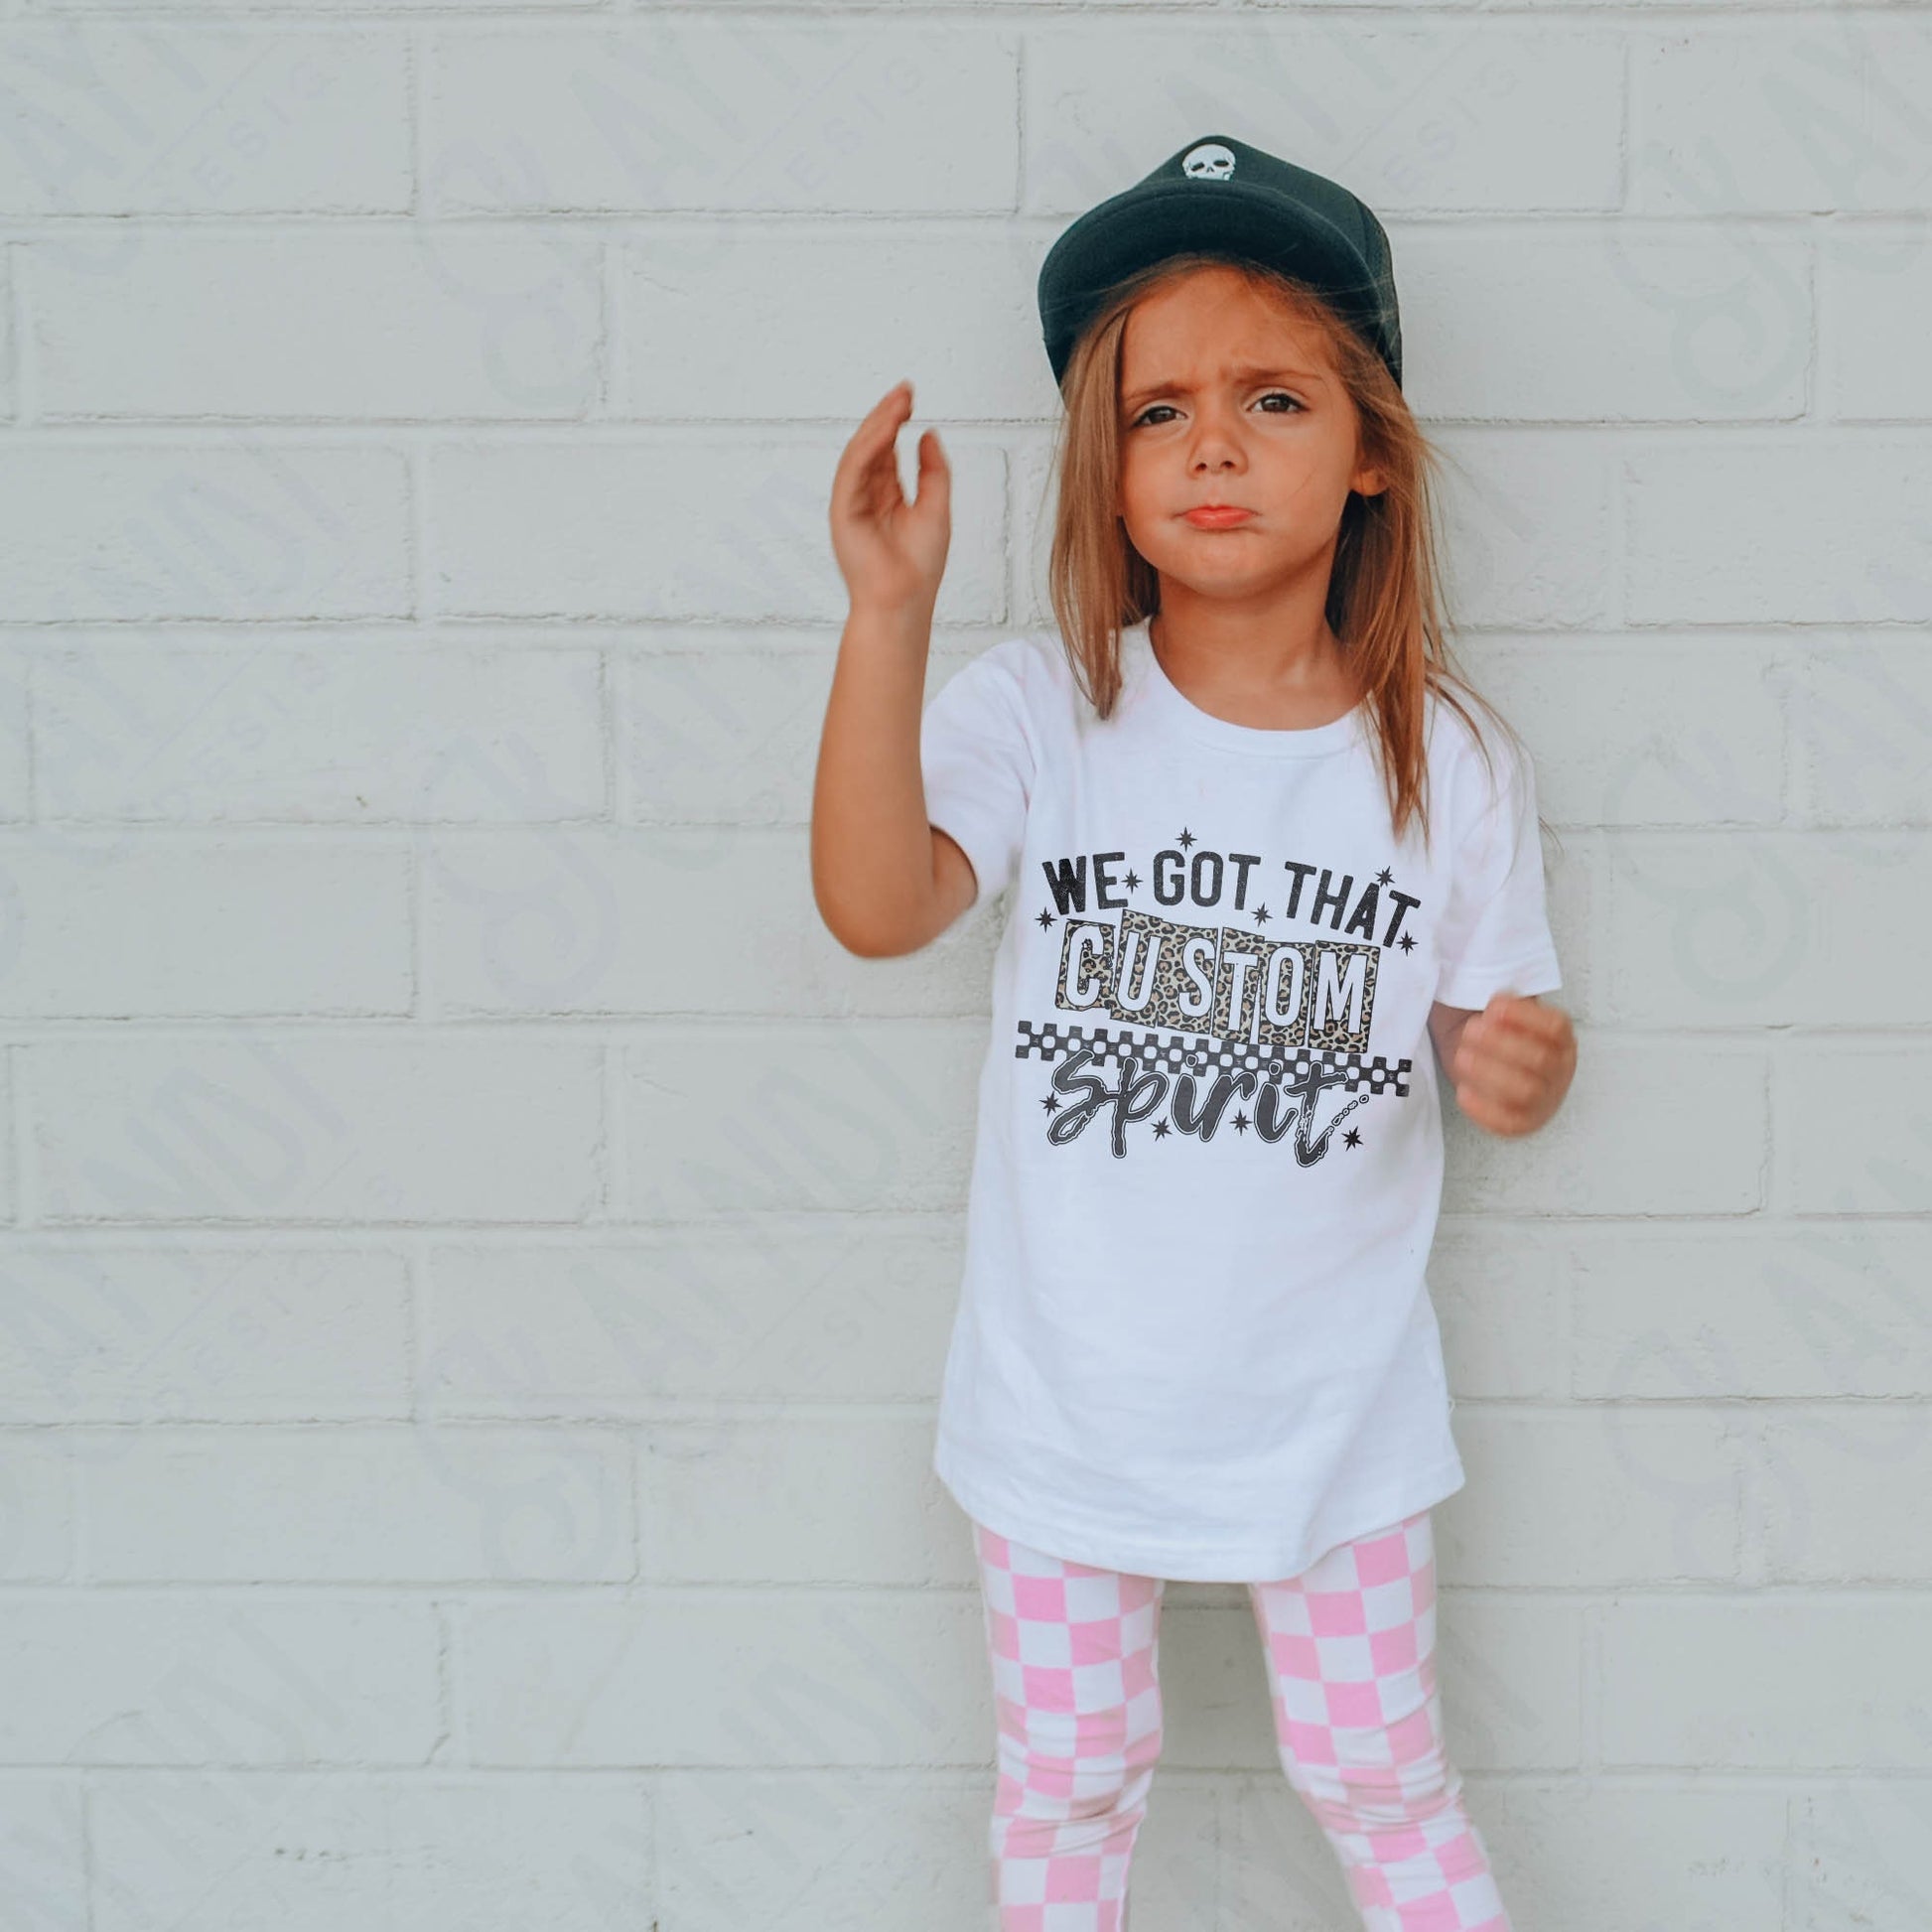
(1198, 1020)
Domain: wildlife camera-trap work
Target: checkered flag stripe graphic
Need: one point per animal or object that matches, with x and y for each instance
(1206, 1053)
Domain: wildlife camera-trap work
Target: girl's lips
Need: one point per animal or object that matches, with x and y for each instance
(1219, 519)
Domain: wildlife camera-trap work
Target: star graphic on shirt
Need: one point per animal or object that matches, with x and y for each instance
(1352, 1137)
(1133, 880)
(1407, 942)
(1044, 921)
(1052, 1103)
(1185, 839)
(1241, 1123)
(1383, 877)
(1261, 916)
(1160, 1130)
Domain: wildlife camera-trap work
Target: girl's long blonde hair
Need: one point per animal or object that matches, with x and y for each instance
(1385, 600)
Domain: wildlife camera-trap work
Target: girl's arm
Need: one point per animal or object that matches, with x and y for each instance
(1445, 1025)
(885, 881)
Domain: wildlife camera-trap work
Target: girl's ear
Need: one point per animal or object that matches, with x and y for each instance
(1368, 482)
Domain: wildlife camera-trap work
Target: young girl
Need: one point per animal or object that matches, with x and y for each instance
(1258, 848)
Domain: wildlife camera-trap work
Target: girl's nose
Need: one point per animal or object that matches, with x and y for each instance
(1216, 432)
(1217, 446)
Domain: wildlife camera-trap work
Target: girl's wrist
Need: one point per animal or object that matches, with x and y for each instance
(909, 618)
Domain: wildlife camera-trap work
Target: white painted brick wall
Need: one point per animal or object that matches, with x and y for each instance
(480, 1256)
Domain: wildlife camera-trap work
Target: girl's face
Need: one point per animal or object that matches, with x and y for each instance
(1226, 398)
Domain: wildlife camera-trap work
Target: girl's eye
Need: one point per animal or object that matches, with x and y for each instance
(1273, 395)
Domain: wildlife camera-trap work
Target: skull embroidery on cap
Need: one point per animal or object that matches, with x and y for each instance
(1209, 162)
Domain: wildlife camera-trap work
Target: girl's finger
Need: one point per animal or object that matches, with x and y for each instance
(1494, 1118)
(874, 488)
(1544, 1029)
(935, 475)
(1518, 1049)
(1480, 1053)
(873, 433)
(1528, 1018)
(1507, 1087)
(1500, 1073)
(873, 437)
(895, 404)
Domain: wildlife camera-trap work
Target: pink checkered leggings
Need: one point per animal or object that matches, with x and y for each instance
(1350, 1648)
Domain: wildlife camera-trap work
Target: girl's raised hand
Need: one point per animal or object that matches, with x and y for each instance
(891, 553)
(1513, 1063)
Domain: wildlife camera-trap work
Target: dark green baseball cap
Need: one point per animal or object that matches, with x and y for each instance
(1217, 196)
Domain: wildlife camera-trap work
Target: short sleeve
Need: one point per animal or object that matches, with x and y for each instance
(1495, 936)
(976, 754)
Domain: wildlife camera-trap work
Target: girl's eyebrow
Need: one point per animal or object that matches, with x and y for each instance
(1244, 374)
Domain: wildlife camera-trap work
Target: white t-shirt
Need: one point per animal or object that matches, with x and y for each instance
(1195, 1339)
